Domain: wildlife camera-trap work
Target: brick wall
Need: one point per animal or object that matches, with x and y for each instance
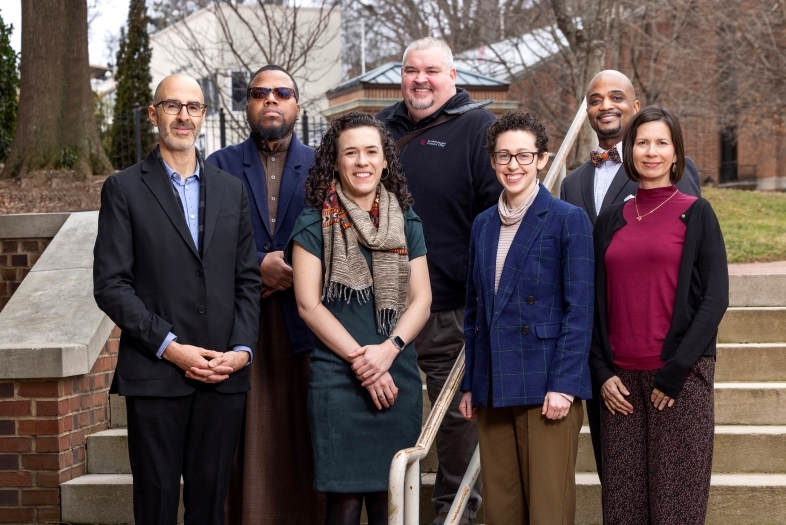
(43, 430)
(17, 256)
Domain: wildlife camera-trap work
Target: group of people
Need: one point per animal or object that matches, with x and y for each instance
(278, 305)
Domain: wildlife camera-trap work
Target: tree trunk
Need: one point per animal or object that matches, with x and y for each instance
(56, 126)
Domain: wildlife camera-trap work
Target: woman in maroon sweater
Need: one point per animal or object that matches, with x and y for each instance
(661, 290)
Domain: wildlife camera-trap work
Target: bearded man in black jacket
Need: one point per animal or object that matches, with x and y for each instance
(450, 176)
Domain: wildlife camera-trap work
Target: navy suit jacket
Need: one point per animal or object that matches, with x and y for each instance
(242, 161)
(535, 336)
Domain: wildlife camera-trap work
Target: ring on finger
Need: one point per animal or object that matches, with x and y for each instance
(381, 396)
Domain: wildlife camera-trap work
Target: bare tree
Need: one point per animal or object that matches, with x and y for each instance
(56, 125)
(230, 37)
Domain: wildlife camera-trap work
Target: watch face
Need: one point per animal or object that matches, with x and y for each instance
(398, 342)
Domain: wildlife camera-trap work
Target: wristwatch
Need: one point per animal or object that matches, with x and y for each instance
(397, 342)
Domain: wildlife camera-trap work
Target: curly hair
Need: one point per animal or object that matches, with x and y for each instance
(320, 174)
(518, 120)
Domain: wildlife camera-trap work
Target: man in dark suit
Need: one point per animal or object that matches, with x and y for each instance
(273, 166)
(175, 269)
(601, 181)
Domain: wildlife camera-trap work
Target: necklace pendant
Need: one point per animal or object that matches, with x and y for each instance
(638, 219)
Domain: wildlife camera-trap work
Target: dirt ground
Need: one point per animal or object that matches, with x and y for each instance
(49, 192)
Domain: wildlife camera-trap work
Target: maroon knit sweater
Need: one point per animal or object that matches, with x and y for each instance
(642, 264)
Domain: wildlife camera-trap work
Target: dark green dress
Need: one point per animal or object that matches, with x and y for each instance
(354, 442)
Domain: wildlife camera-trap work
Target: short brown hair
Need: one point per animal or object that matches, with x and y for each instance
(517, 121)
(653, 114)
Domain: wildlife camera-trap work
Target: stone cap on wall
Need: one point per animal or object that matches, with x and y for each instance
(52, 326)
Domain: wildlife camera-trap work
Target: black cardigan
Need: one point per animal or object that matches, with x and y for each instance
(700, 301)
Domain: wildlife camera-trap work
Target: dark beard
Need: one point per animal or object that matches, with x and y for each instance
(609, 132)
(272, 133)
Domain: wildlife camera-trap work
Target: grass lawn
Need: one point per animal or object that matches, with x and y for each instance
(753, 223)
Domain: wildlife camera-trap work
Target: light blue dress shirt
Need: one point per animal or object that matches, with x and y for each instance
(189, 196)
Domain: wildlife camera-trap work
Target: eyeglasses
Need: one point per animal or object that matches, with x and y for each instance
(174, 107)
(261, 93)
(503, 157)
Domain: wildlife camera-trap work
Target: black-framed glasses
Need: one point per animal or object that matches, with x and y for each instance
(174, 107)
(504, 157)
(261, 93)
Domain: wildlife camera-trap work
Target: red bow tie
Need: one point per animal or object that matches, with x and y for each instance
(598, 158)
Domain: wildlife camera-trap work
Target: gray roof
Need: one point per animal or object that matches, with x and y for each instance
(390, 73)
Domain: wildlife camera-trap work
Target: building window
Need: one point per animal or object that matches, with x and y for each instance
(210, 91)
(239, 85)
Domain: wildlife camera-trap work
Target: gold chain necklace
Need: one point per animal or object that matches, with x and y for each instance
(639, 216)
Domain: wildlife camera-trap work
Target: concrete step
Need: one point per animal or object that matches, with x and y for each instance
(117, 411)
(751, 362)
(100, 498)
(735, 499)
(753, 325)
(738, 499)
(757, 290)
(750, 403)
(738, 449)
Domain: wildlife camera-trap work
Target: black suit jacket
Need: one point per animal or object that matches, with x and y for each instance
(578, 188)
(150, 279)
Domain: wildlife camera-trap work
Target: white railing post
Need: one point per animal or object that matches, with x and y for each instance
(404, 478)
(562, 155)
(465, 489)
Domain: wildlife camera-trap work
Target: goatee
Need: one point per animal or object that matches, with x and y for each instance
(270, 133)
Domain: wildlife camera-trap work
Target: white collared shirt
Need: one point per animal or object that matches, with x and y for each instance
(603, 177)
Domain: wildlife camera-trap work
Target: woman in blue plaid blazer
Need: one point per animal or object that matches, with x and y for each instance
(528, 328)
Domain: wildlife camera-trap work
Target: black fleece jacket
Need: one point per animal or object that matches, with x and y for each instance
(701, 297)
(450, 176)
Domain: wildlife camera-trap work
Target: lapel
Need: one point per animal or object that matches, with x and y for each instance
(489, 241)
(254, 173)
(530, 229)
(214, 194)
(290, 180)
(588, 189)
(155, 178)
(619, 183)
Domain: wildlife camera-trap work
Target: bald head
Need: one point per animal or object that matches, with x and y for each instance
(611, 103)
(176, 83)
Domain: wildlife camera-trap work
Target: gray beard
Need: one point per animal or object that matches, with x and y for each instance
(272, 133)
(420, 104)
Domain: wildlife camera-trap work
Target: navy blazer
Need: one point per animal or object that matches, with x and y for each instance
(242, 160)
(535, 336)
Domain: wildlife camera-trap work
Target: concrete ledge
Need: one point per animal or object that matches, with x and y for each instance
(52, 327)
(31, 225)
(750, 403)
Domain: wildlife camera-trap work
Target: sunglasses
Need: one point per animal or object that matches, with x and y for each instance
(261, 93)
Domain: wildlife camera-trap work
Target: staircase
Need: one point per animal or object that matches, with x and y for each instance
(749, 468)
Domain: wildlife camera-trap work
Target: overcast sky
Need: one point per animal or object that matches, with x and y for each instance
(110, 16)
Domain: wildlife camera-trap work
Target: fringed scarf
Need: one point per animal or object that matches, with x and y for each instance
(344, 224)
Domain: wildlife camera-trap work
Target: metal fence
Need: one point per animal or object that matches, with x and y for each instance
(129, 138)
(733, 174)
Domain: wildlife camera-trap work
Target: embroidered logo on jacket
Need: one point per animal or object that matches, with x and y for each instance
(426, 142)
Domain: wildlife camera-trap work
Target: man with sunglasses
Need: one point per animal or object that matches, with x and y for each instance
(175, 269)
(272, 479)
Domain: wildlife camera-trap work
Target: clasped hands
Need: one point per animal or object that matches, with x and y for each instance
(613, 393)
(207, 366)
(371, 364)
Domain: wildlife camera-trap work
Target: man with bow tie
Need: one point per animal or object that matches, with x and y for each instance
(601, 181)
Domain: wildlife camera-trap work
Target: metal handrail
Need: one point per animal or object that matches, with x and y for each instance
(404, 479)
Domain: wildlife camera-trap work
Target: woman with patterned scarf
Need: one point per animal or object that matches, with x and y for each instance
(361, 284)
